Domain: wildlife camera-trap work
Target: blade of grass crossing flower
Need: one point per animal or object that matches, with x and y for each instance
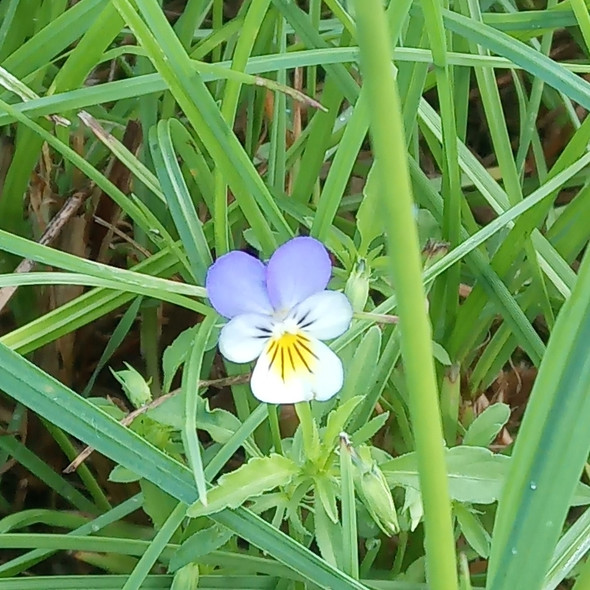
(141, 571)
(28, 384)
(190, 390)
(389, 146)
(550, 451)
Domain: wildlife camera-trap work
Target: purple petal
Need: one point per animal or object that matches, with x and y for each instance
(298, 269)
(236, 284)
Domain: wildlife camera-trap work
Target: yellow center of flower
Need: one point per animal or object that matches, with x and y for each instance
(290, 354)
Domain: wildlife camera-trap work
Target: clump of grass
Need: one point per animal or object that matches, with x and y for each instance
(439, 154)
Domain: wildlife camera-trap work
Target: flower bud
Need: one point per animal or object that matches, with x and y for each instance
(373, 490)
(134, 385)
(186, 578)
(357, 285)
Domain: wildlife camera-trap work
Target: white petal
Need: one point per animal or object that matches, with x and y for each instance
(244, 337)
(324, 315)
(283, 378)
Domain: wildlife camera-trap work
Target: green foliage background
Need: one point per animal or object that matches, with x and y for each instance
(357, 123)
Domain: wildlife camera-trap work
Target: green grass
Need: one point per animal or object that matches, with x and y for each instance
(374, 130)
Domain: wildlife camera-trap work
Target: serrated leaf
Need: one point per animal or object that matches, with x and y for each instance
(368, 431)
(337, 420)
(259, 475)
(485, 428)
(325, 490)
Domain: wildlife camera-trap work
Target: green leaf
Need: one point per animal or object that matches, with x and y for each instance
(134, 385)
(120, 474)
(336, 422)
(178, 198)
(532, 61)
(175, 355)
(367, 432)
(441, 355)
(475, 474)
(550, 451)
(252, 479)
(328, 533)
(186, 578)
(29, 385)
(325, 490)
(360, 371)
(368, 217)
(473, 530)
(157, 504)
(200, 543)
(485, 428)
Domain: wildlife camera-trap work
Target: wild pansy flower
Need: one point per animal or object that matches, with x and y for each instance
(279, 313)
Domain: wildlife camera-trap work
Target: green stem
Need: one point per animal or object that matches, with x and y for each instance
(275, 431)
(306, 423)
(349, 525)
(389, 147)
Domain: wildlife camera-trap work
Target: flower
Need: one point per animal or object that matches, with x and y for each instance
(279, 313)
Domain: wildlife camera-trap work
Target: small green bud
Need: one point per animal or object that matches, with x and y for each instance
(186, 578)
(357, 285)
(134, 385)
(374, 492)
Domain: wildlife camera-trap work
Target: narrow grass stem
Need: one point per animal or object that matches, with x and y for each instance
(395, 189)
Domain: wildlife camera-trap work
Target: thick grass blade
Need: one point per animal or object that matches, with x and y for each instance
(35, 389)
(550, 451)
(389, 144)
